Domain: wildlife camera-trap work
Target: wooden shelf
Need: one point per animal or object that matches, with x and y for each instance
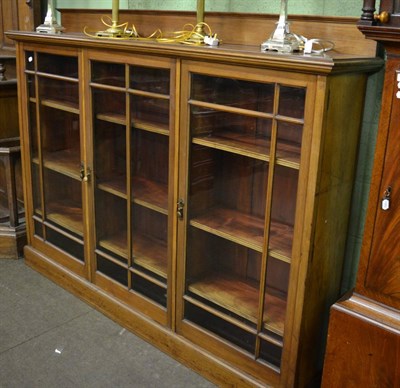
(115, 185)
(147, 193)
(232, 225)
(64, 162)
(241, 298)
(116, 243)
(242, 144)
(150, 194)
(139, 124)
(148, 253)
(151, 254)
(67, 215)
(161, 129)
(247, 230)
(288, 154)
(114, 118)
(280, 241)
(65, 106)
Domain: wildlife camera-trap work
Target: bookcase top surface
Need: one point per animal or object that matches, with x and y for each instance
(329, 62)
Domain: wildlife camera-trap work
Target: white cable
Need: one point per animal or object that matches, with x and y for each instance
(325, 45)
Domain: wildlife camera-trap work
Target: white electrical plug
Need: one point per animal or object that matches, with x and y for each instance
(211, 40)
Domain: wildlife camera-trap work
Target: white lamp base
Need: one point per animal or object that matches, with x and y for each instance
(50, 25)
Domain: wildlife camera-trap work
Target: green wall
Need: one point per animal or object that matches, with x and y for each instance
(302, 7)
(351, 8)
(312, 7)
(363, 176)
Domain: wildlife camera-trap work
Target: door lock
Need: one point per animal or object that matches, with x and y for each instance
(386, 198)
(179, 208)
(84, 174)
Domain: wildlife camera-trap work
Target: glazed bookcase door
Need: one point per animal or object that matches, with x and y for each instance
(131, 107)
(52, 84)
(244, 145)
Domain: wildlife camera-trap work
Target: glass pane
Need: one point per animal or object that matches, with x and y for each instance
(224, 329)
(147, 111)
(58, 64)
(149, 289)
(108, 73)
(112, 270)
(271, 353)
(242, 134)
(276, 295)
(150, 241)
(110, 156)
(109, 106)
(150, 174)
(241, 94)
(63, 204)
(59, 94)
(31, 80)
(111, 224)
(291, 102)
(60, 140)
(150, 157)
(29, 60)
(289, 142)
(38, 229)
(33, 131)
(36, 193)
(149, 79)
(66, 244)
(18, 185)
(283, 210)
(216, 204)
(223, 274)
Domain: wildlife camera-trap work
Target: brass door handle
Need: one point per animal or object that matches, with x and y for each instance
(383, 17)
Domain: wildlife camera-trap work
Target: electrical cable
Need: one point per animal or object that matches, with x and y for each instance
(188, 35)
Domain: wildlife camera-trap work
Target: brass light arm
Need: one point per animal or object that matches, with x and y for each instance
(199, 33)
